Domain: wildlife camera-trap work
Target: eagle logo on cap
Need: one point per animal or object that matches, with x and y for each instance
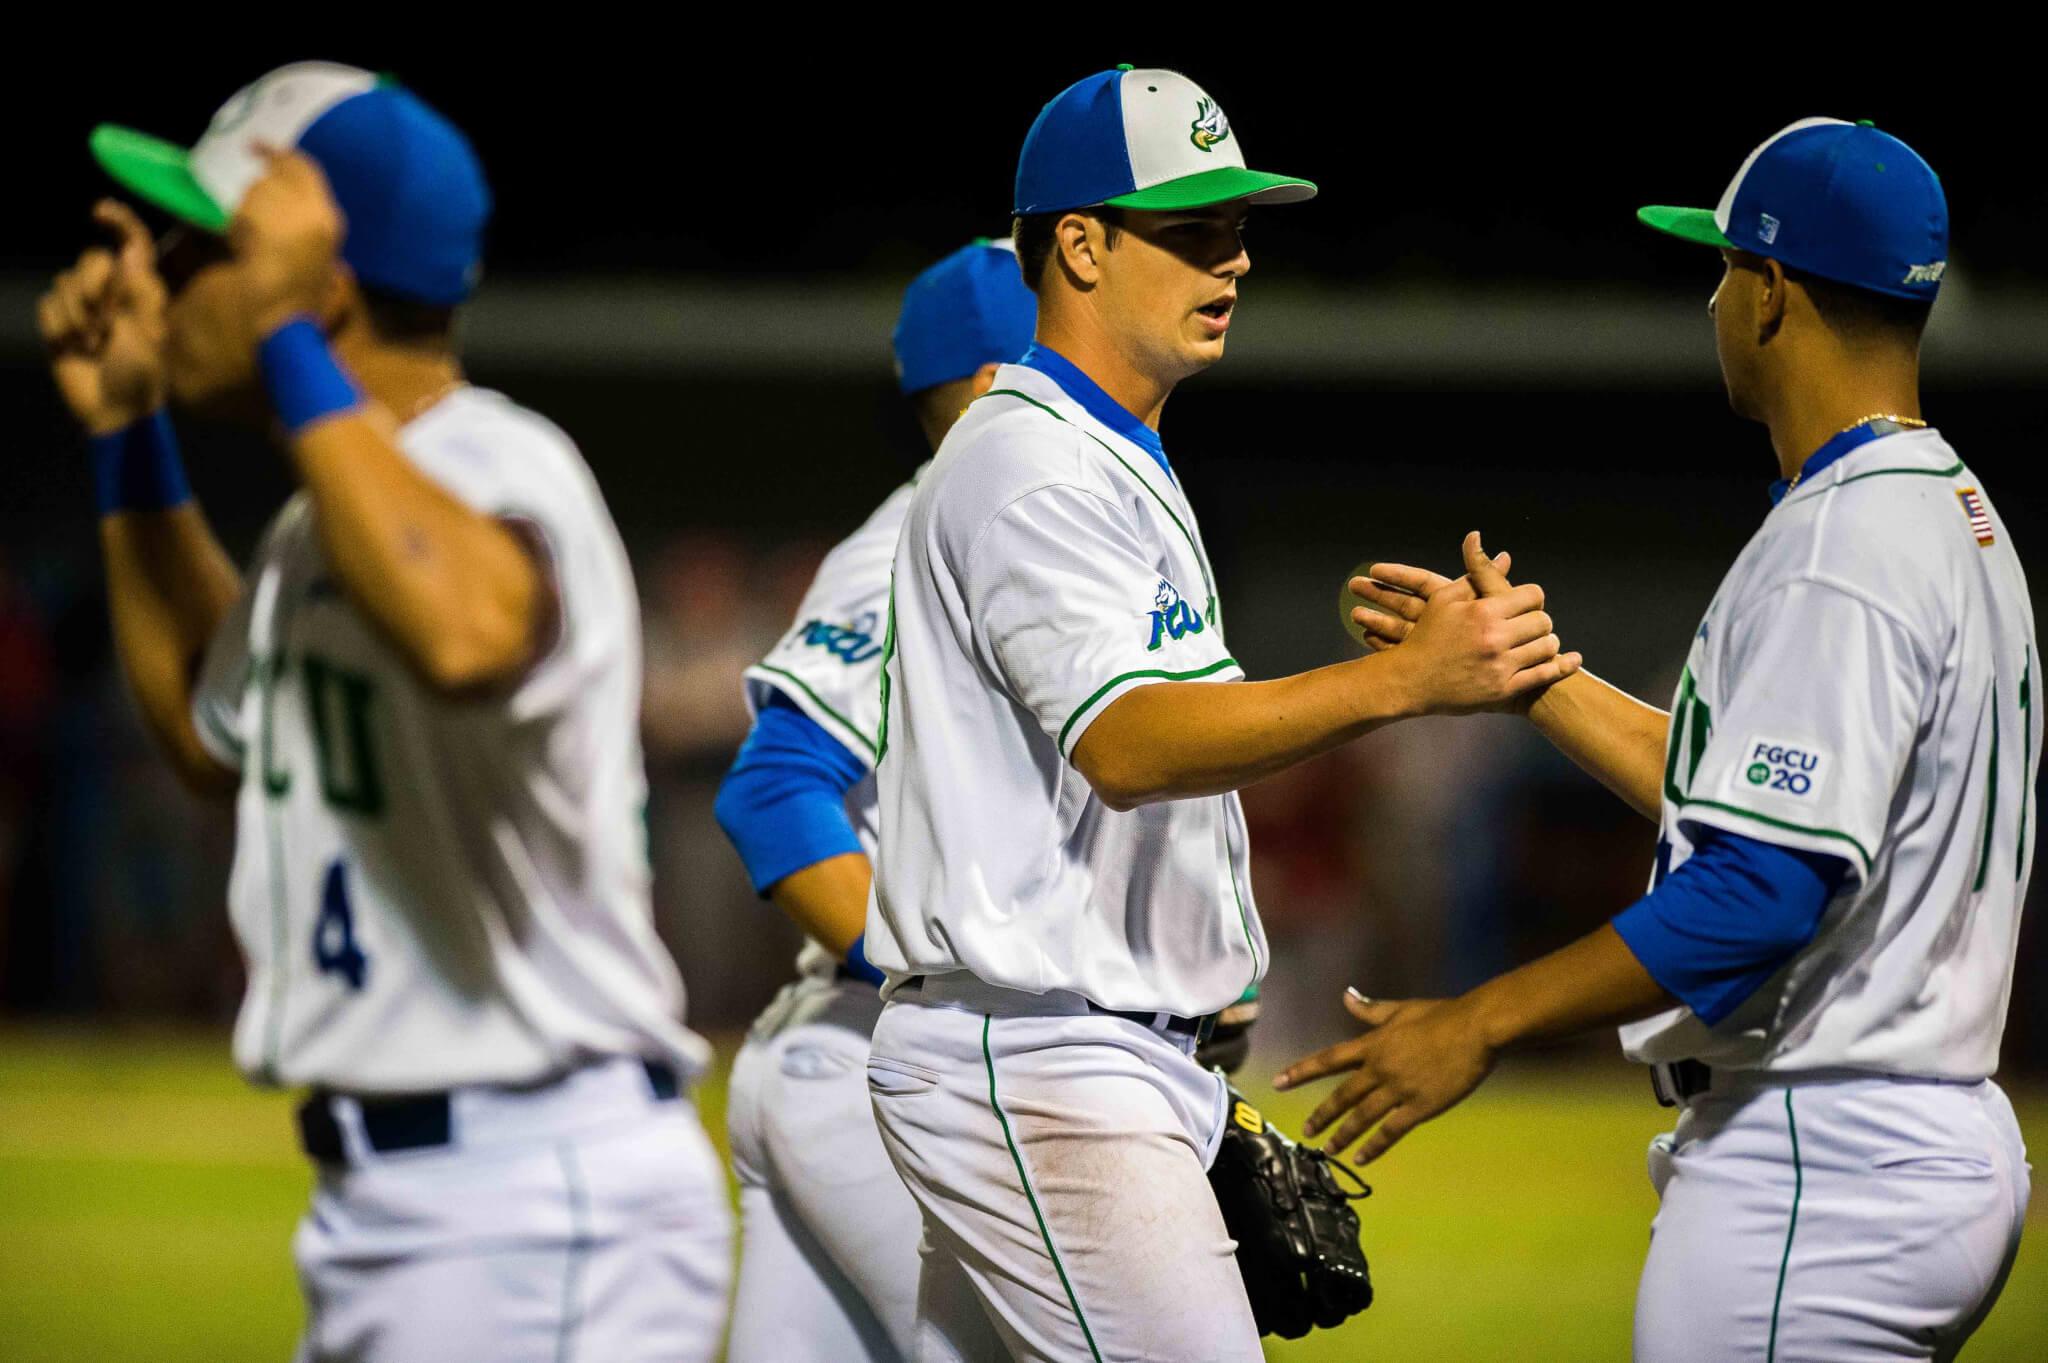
(1210, 126)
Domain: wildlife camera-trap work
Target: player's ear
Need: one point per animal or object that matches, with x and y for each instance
(1771, 296)
(983, 378)
(343, 304)
(1074, 243)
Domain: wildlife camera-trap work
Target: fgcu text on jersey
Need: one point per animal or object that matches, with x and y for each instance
(850, 643)
(1172, 617)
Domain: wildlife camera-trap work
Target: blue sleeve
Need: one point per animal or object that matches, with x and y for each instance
(783, 804)
(1728, 919)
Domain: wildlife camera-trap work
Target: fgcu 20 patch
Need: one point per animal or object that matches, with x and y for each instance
(1782, 766)
(1172, 617)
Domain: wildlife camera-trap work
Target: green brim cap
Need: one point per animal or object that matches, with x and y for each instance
(157, 171)
(1692, 224)
(1225, 184)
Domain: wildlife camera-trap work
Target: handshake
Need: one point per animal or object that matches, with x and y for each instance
(1460, 645)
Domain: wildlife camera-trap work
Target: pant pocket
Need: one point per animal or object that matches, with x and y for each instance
(1934, 1163)
(889, 1078)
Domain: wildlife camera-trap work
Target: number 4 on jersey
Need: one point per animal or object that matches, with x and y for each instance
(334, 932)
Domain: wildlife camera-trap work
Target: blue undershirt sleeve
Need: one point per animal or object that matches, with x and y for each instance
(1729, 919)
(783, 803)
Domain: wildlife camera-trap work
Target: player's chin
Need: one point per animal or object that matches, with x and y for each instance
(1203, 350)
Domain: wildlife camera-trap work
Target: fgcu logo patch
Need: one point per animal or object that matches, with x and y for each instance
(1210, 126)
(1786, 768)
(1171, 616)
(852, 643)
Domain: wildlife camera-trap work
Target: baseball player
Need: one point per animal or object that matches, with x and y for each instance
(1061, 897)
(423, 700)
(1844, 789)
(828, 1246)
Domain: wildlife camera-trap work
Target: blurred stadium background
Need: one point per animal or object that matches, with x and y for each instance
(695, 274)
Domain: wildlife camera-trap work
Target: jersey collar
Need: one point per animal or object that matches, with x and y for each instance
(1832, 449)
(1095, 402)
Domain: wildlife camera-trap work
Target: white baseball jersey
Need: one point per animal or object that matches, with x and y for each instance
(1049, 565)
(435, 892)
(1863, 685)
(830, 664)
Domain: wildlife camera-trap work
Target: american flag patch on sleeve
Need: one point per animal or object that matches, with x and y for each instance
(1973, 507)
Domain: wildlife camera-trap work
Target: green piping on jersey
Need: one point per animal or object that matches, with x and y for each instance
(1951, 471)
(2019, 861)
(888, 654)
(1115, 682)
(579, 1251)
(819, 701)
(1778, 823)
(1201, 559)
(1990, 794)
(1798, 1187)
(1044, 1231)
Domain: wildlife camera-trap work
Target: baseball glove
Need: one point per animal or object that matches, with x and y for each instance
(1230, 1039)
(1296, 1233)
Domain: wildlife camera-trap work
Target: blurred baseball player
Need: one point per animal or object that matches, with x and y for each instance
(828, 1249)
(1844, 788)
(1061, 897)
(424, 701)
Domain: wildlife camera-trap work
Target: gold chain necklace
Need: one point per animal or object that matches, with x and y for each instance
(1910, 422)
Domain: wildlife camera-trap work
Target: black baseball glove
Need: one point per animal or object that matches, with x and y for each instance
(1296, 1233)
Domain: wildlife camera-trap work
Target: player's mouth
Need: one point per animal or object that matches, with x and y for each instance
(1215, 315)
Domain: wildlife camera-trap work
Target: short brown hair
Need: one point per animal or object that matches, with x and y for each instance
(1864, 315)
(1032, 235)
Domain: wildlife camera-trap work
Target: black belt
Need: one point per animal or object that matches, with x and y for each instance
(1198, 1028)
(1680, 1081)
(418, 1121)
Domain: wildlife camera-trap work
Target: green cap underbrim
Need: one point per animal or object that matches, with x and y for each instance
(157, 171)
(1225, 184)
(1691, 224)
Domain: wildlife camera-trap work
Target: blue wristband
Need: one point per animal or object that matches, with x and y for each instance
(857, 962)
(137, 468)
(306, 383)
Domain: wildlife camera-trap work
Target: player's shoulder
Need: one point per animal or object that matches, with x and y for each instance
(1893, 525)
(1009, 444)
(483, 443)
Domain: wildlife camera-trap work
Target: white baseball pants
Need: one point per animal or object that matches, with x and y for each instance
(1059, 1158)
(828, 1235)
(1830, 1220)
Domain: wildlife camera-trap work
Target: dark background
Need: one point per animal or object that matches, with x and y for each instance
(1466, 329)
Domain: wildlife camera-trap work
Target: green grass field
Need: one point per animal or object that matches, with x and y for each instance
(147, 1197)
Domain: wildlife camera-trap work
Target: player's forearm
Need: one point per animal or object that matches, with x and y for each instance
(1180, 740)
(1613, 737)
(1594, 982)
(169, 583)
(451, 588)
(828, 899)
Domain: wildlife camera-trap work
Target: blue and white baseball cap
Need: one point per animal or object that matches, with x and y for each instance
(970, 309)
(406, 178)
(1839, 200)
(1145, 139)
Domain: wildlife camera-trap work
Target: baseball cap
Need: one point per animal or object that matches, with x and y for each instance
(1839, 200)
(970, 309)
(1148, 139)
(406, 178)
